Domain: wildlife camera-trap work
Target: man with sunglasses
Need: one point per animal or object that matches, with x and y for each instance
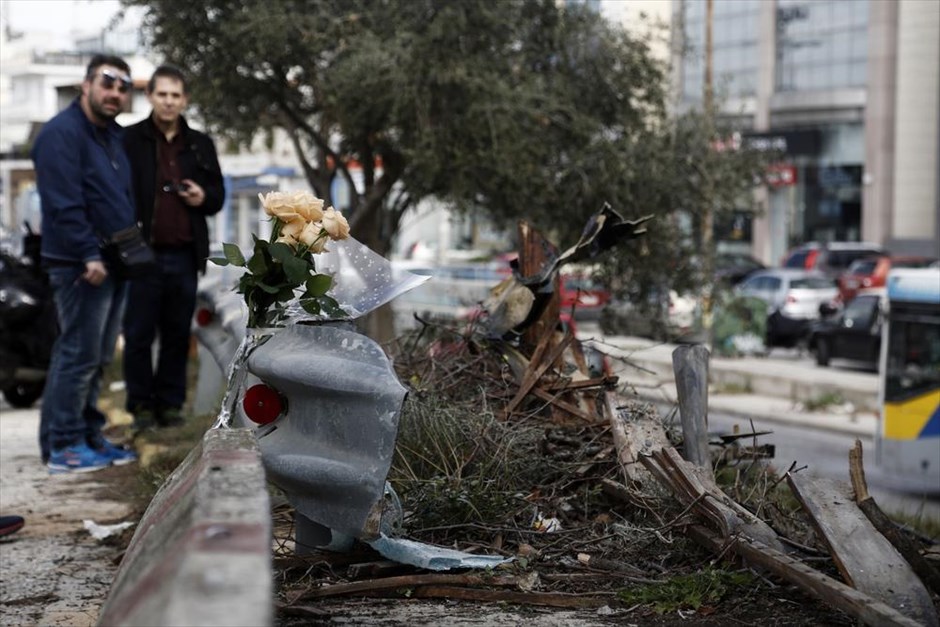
(84, 183)
(177, 184)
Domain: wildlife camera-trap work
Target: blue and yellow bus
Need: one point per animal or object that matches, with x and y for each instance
(907, 445)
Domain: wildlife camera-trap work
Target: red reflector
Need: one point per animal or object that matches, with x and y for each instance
(262, 404)
(204, 317)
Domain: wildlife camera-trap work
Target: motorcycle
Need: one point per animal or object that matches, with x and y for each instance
(28, 324)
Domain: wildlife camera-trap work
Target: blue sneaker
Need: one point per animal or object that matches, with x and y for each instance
(77, 458)
(120, 455)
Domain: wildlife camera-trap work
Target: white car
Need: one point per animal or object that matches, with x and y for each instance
(793, 298)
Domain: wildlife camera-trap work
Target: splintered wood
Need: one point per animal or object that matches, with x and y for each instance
(865, 558)
(567, 396)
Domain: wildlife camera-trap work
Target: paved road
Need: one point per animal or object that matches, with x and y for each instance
(825, 453)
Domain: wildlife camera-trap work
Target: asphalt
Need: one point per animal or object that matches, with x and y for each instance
(784, 387)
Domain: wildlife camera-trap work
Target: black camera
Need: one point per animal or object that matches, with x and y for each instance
(175, 188)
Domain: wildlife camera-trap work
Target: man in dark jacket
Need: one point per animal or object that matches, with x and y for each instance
(177, 183)
(85, 189)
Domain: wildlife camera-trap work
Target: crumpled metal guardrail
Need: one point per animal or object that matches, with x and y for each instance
(331, 448)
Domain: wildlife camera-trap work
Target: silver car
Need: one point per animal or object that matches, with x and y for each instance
(793, 298)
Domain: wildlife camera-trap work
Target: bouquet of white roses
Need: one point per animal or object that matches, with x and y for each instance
(279, 268)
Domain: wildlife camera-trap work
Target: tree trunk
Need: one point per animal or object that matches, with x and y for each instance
(380, 324)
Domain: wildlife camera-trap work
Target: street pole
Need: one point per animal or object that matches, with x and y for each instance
(707, 225)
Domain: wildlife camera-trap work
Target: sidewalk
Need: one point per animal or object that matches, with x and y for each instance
(784, 387)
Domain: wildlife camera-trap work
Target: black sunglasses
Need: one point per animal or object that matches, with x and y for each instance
(109, 78)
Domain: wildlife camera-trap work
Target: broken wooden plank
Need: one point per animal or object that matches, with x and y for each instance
(580, 384)
(537, 369)
(690, 365)
(535, 252)
(695, 486)
(378, 568)
(927, 572)
(853, 602)
(633, 439)
(403, 581)
(548, 599)
(556, 400)
(865, 558)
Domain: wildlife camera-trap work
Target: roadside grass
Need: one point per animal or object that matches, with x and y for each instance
(924, 525)
(454, 465)
(823, 401)
(733, 387)
(693, 591)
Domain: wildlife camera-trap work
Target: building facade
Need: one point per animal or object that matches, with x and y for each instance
(846, 94)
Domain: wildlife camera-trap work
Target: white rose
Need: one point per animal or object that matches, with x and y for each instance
(293, 228)
(310, 234)
(307, 205)
(335, 224)
(287, 239)
(278, 205)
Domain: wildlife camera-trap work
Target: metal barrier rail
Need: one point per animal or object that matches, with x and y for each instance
(202, 551)
(330, 441)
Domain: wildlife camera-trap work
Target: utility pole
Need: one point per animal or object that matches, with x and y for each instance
(707, 226)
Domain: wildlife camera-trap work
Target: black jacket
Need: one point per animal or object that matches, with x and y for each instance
(198, 161)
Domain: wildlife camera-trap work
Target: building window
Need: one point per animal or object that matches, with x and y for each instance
(821, 44)
(734, 48)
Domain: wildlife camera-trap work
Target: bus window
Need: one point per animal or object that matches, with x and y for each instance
(913, 364)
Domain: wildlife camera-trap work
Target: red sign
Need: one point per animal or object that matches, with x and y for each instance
(780, 175)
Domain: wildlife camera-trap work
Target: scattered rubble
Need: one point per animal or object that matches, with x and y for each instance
(520, 447)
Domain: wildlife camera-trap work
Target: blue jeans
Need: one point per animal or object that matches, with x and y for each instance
(89, 323)
(160, 305)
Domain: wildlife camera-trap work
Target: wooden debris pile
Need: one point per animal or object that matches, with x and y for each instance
(619, 502)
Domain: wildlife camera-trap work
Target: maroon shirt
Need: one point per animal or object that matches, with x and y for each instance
(171, 226)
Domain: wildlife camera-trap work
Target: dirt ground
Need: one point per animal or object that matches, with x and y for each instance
(52, 572)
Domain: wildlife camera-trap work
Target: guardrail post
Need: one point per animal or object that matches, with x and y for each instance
(690, 364)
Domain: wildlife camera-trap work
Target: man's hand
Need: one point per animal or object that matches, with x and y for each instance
(95, 272)
(193, 195)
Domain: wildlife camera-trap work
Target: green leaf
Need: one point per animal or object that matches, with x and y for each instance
(285, 294)
(219, 261)
(331, 307)
(281, 252)
(319, 284)
(258, 265)
(270, 289)
(296, 270)
(234, 255)
(310, 305)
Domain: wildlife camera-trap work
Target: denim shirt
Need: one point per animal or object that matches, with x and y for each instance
(84, 182)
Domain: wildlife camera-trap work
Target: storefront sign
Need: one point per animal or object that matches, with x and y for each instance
(780, 175)
(803, 142)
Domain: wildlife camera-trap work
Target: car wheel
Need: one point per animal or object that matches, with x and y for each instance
(823, 352)
(23, 395)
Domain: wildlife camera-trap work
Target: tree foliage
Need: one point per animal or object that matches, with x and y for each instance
(517, 109)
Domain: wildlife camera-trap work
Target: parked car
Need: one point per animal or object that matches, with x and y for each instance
(832, 258)
(853, 333)
(793, 298)
(871, 272)
(732, 268)
(663, 315)
(584, 295)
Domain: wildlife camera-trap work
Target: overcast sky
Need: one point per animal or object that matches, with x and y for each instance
(58, 16)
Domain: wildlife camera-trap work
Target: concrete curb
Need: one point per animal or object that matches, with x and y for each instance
(768, 390)
(776, 411)
(202, 551)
